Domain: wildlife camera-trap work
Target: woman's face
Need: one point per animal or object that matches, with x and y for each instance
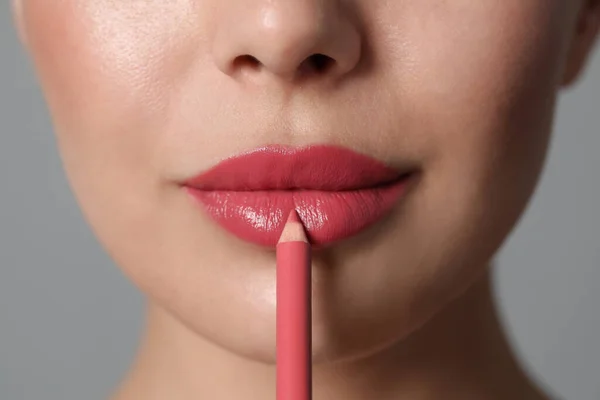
(145, 94)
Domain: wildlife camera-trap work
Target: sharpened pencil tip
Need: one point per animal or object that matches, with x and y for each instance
(293, 217)
(293, 231)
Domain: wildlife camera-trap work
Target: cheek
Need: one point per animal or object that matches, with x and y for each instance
(495, 71)
(481, 85)
(482, 79)
(106, 68)
(105, 65)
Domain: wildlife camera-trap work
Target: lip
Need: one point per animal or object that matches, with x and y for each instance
(336, 192)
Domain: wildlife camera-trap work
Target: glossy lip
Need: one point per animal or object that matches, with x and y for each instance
(337, 192)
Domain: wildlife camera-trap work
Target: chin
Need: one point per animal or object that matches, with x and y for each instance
(337, 338)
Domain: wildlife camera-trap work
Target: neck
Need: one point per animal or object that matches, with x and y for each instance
(461, 353)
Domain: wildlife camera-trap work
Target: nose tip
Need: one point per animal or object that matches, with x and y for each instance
(289, 40)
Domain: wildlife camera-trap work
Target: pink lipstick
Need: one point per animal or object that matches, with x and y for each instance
(336, 192)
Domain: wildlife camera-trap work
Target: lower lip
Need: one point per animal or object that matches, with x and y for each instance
(329, 216)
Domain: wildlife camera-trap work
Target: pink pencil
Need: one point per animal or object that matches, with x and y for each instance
(294, 350)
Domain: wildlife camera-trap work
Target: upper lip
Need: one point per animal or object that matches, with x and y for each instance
(316, 167)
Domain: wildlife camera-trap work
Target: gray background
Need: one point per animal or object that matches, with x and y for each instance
(69, 321)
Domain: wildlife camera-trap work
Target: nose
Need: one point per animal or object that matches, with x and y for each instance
(288, 39)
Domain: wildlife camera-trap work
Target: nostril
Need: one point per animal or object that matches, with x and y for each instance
(317, 63)
(246, 61)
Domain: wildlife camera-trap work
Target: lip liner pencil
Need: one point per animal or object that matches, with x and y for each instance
(294, 348)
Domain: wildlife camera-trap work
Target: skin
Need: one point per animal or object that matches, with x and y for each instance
(144, 94)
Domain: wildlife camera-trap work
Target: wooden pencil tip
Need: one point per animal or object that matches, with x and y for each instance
(293, 231)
